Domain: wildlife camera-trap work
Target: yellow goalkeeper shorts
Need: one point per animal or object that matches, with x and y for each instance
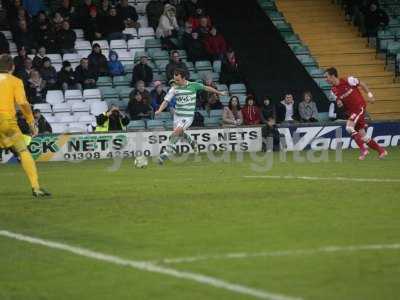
(11, 136)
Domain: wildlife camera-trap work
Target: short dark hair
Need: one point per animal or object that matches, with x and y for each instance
(6, 63)
(180, 72)
(332, 71)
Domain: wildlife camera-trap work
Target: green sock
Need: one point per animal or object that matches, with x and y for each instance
(173, 139)
(188, 138)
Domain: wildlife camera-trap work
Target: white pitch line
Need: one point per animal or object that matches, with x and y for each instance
(323, 178)
(244, 255)
(150, 267)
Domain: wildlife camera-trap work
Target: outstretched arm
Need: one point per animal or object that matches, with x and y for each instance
(212, 90)
(365, 88)
(163, 106)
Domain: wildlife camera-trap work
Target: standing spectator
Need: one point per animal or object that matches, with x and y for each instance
(66, 38)
(154, 10)
(308, 109)
(251, 113)
(157, 96)
(140, 87)
(113, 26)
(86, 75)
(115, 67)
(128, 14)
(36, 88)
(41, 123)
(67, 78)
(230, 70)
(19, 60)
(93, 26)
(287, 110)
(167, 27)
(232, 115)
(215, 45)
(193, 45)
(375, 19)
(39, 57)
(4, 45)
(137, 108)
(49, 74)
(267, 111)
(34, 6)
(175, 63)
(112, 120)
(98, 61)
(142, 71)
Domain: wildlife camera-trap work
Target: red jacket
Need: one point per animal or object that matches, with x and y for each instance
(215, 45)
(251, 115)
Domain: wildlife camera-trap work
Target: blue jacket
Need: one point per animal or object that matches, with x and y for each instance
(33, 6)
(115, 67)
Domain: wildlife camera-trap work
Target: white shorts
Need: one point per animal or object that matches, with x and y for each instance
(182, 122)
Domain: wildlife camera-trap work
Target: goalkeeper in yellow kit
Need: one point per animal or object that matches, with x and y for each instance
(12, 93)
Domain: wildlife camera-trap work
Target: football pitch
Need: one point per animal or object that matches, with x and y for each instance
(202, 229)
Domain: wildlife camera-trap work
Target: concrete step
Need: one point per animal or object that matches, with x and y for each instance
(385, 116)
(348, 59)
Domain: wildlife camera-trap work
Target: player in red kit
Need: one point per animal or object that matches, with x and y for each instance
(349, 96)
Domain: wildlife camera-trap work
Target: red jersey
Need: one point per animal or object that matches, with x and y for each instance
(347, 91)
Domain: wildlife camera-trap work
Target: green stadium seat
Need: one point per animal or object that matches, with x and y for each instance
(283, 26)
(152, 43)
(124, 91)
(162, 64)
(203, 65)
(121, 80)
(299, 49)
(224, 100)
(164, 116)
(275, 16)
(194, 76)
(315, 72)
(323, 116)
(136, 125)
(104, 81)
(216, 113)
(237, 88)
(323, 84)
(212, 121)
(155, 124)
(160, 77)
(108, 92)
(392, 50)
(158, 54)
(307, 60)
(222, 87)
(217, 66)
(182, 54)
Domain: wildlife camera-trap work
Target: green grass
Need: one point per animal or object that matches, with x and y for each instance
(203, 208)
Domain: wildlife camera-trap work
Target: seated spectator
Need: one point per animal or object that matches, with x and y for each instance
(67, 78)
(39, 57)
(157, 96)
(112, 120)
(57, 22)
(215, 45)
(138, 109)
(204, 28)
(251, 113)
(98, 61)
(204, 97)
(49, 74)
(19, 60)
(154, 10)
(375, 19)
(46, 36)
(25, 72)
(41, 123)
(128, 14)
(67, 10)
(93, 26)
(267, 111)
(66, 38)
(86, 75)
(142, 71)
(33, 7)
(40, 19)
(213, 104)
(287, 111)
(336, 112)
(113, 26)
(230, 69)
(167, 27)
(36, 88)
(23, 37)
(4, 45)
(115, 67)
(175, 63)
(195, 19)
(141, 88)
(193, 45)
(308, 109)
(232, 115)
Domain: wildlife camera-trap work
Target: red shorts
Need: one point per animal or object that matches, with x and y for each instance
(359, 119)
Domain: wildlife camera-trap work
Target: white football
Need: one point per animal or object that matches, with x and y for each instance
(141, 162)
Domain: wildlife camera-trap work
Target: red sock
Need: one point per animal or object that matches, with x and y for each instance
(359, 141)
(374, 145)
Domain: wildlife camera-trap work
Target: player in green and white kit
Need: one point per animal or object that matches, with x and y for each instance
(184, 92)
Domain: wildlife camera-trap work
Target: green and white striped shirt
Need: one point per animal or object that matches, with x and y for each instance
(185, 98)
